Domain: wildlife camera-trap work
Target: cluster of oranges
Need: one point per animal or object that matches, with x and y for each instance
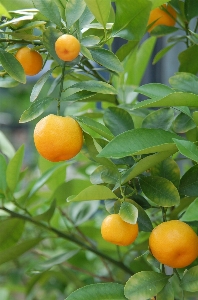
(172, 243)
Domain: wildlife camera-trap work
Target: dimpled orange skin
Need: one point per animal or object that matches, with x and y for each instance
(67, 47)
(58, 138)
(117, 231)
(30, 60)
(174, 243)
(162, 17)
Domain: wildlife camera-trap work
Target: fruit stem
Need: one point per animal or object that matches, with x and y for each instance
(164, 213)
(61, 89)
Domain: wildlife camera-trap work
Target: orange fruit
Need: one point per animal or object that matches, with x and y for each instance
(174, 243)
(161, 17)
(30, 60)
(58, 138)
(116, 231)
(67, 47)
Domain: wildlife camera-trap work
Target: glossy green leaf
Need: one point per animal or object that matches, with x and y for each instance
(184, 82)
(94, 192)
(162, 30)
(39, 85)
(166, 293)
(190, 214)
(144, 285)
(86, 18)
(195, 117)
(17, 250)
(161, 118)
(117, 120)
(126, 49)
(8, 82)
(54, 261)
(189, 281)
(14, 168)
(99, 291)
(168, 169)
(191, 9)
(12, 66)
(6, 147)
(183, 123)
(4, 12)
(74, 10)
(189, 182)
(96, 126)
(161, 53)
(44, 178)
(107, 59)
(187, 148)
(3, 167)
(160, 191)
(131, 19)
(85, 52)
(81, 212)
(188, 61)
(174, 99)
(47, 215)
(95, 87)
(49, 9)
(157, 3)
(50, 35)
(145, 164)
(89, 41)
(100, 9)
(128, 212)
(154, 90)
(36, 109)
(139, 141)
(11, 231)
(79, 96)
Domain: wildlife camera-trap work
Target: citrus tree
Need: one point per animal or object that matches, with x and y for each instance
(110, 211)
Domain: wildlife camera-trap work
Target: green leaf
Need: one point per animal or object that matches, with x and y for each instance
(49, 9)
(39, 85)
(3, 167)
(168, 169)
(189, 281)
(99, 291)
(191, 9)
(44, 178)
(11, 231)
(100, 9)
(14, 168)
(195, 117)
(74, 10)
(15, 251)
(89, 41)
(47, 215)
(85, 52)
(189, 182)
(184, 82)
(188, 61)
(36, 109)
(162, 30)
(162, 52)
(128, 212)
(187, 148)
(96, 126)
(154, 90)
(131, 19)
(174, 99)
(144, 285)
(12, 66)
(157, 3)
(107, 59)
(54, 261)
(166, 293)
(117, 120)
(145, 164)
(143, 220)
(82, 211)
(4, 12)
(8, 82)
(6, 147)
(139, 141)
(94, 192)
(50, 35)
(183, 123)
(161, 118)
(126, 49)
(160, 190)
(190, 214)
(94, 86)
(86, 18)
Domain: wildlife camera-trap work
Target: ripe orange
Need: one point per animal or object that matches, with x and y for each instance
(174, 243)
(117, 231)
(67, 47)
(30, 60)
(58, 138)
(161, 17)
